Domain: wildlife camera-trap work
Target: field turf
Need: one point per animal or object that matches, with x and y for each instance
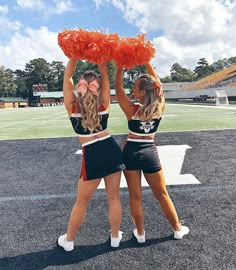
(52, 122)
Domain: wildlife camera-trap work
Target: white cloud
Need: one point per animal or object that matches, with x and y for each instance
(3, 9)
(62, 7)
(56, 7)
(185, 31)
(101, 2)
(117, 3)
(21, 49)
(31, 4)
(7, 26)
(189, 29)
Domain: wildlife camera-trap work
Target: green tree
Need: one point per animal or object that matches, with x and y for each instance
(203, 69)
(166, 79)
(37, 71)
(20, 82)
(81, 67)
(55, 78)
(232, 60)
(111, 72)
(7, 85)
(180, 74)
(220, 65)
(131, 74)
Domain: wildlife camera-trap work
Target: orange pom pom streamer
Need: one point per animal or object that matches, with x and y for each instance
(97, 47)
(93, 46)
(133, 52)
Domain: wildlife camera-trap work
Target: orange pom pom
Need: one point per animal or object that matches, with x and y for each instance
(98, 47)
(134, 51)
(93, 46)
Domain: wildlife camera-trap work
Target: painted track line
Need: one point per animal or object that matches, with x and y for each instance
(183, 189)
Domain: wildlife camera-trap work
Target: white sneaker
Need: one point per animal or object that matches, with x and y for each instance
(65, 244)
(140, 238)
(115, 241)
(183, 231)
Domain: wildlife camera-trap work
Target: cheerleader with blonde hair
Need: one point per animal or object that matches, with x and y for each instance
(140, 152)
(87, 104)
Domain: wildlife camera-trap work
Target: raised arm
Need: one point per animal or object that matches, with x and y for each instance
(105, 86)
(125, 104)
(151, 71)
(68, 85)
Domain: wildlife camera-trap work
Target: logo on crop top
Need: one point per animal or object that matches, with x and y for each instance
(147, 126)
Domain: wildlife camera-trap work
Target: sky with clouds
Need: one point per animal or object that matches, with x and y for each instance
(182, 31)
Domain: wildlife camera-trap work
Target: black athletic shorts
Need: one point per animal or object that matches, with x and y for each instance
(141, 156)
(101, 158)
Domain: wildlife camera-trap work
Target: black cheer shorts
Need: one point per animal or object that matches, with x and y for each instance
(101, 159)
(141, 156)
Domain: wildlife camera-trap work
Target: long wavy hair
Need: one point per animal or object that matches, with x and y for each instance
(153, 104)
(89, 104)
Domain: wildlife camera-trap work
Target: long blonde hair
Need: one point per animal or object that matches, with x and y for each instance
(89, 104)
(154, 102)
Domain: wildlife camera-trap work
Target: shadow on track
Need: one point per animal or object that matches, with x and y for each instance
(57, 256)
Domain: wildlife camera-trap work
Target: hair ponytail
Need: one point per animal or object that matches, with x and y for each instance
(89, 105)
(153, 102)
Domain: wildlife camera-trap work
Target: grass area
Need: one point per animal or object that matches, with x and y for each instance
(50, 122)
(197, 117)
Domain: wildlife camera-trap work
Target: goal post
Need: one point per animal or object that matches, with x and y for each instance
(221, 98)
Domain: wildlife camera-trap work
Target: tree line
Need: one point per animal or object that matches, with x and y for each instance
(19, 83)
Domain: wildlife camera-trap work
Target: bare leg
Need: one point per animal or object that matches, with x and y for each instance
(158, 186)
(133, 179)
(85, 191)
(112, 184)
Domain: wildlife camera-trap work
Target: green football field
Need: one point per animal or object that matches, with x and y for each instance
(51, 122)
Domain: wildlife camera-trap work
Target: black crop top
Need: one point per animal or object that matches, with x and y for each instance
(142, 128)
(79, 129)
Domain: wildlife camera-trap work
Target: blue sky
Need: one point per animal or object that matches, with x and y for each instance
(182, 31)
(85, 15)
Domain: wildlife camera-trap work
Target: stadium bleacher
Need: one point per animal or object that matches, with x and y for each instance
(222, 80)
(212, 79)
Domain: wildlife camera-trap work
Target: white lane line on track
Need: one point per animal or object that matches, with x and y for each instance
(179, 189)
